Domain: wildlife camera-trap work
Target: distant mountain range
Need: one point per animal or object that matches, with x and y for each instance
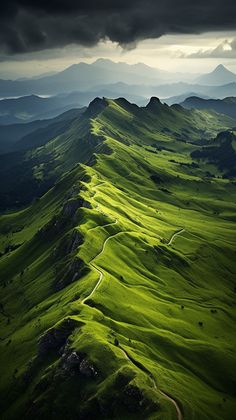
(139, 79)
(83, 77)
(225, 106)
(178, 99)
(35, 133)
(32, 107)
(219, 76)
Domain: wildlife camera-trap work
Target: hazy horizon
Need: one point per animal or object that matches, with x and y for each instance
(190, 54)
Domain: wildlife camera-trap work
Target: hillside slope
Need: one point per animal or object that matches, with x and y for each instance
(118, 292)
(35, 133)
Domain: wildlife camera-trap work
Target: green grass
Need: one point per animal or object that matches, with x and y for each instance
(152, 295)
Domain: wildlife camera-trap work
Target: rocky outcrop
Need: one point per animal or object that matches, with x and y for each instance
(75, 363)
(68, 244)
(55, 226)
(76, 240)
(71, 272)
(70, 362)
(133, 397)
(71, 206)
(95, 107)
(87, 369)
(55, 338)
(66, 218)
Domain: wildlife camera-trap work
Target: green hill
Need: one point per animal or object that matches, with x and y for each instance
(117, 277)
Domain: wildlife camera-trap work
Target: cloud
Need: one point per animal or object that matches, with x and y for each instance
(34, 25)
(226, 49)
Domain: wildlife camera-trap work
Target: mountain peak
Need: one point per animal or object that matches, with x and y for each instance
(154, 104)
(222, 69)
(103, 61)
(153, 101)
(219, 76)
(96, 106)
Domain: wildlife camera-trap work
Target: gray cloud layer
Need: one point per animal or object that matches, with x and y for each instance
(28, 25)
(226, 49)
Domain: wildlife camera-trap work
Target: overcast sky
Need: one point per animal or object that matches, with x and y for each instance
(179, 35)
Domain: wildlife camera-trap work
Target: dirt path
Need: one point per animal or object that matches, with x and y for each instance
(97, 269)
(139, 365)
(143, 368)
(178, 411)
(174, 236)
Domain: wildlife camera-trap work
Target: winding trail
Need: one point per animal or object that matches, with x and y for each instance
(126, 355)
(97, 269)
(178, 411)
(144, 369)
(174, 236)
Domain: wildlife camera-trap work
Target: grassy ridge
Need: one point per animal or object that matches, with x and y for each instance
(158, 315)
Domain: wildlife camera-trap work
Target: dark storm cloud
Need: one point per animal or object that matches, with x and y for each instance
(27, 26)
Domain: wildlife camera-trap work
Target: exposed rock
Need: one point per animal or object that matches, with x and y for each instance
(95, 107)
(73, 271)
(86, 204)
(74, 363)
(70, 362)
(56, 337)
(53, 227)
(71, 206)
(133, 397)
(68, 244)
(76, 240)
(87, 369)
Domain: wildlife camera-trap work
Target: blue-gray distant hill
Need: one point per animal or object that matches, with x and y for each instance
(83, 76)
(36, 133)
(225, 106)
(86, 77)
(32, 107)
(219, 76)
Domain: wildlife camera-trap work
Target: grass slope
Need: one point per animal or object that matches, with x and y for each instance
(118, 293)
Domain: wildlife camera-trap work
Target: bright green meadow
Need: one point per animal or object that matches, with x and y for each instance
(118, 283)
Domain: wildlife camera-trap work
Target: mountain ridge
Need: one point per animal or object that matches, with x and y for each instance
(115, 301)
(225, 106)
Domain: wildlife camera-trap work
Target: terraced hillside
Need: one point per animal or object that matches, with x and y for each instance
(118, 283)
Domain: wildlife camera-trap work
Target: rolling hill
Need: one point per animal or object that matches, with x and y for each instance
(117, 275)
